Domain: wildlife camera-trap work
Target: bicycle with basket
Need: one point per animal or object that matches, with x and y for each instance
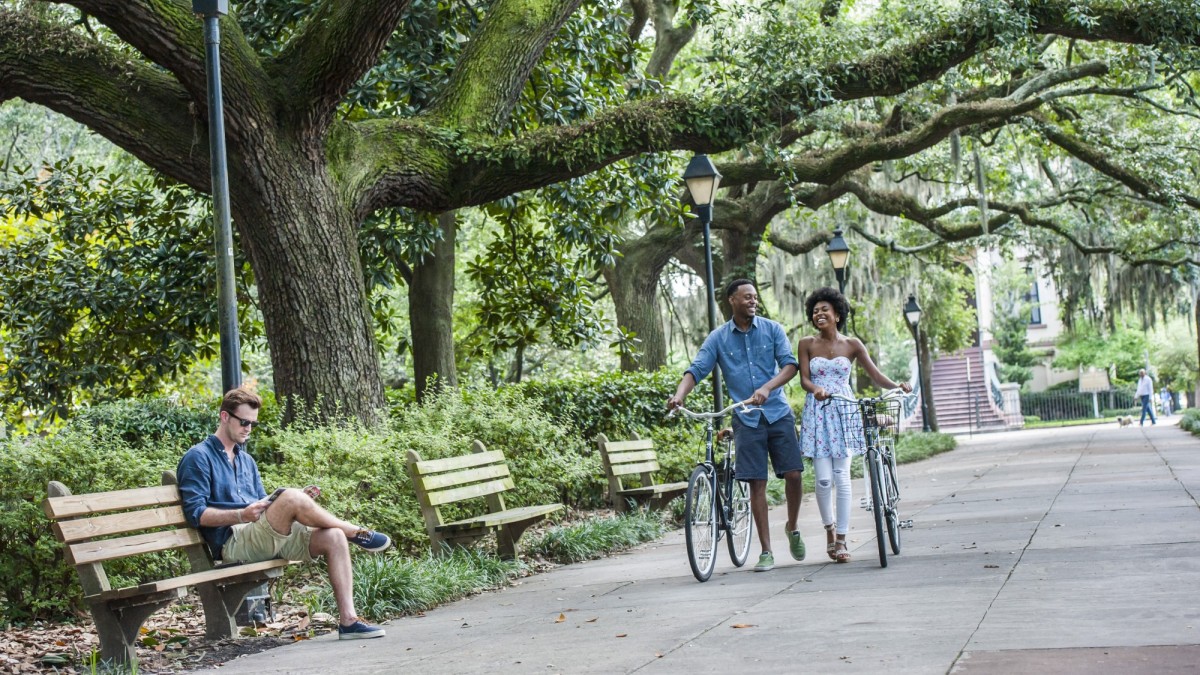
(716, 505)
(874, 425)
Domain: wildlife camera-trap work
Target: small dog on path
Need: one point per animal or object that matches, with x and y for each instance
(1125, 421)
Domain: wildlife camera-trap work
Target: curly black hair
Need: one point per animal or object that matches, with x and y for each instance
(841, 306)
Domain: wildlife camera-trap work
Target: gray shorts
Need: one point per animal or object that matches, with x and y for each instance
(258, 541)
(755, 444)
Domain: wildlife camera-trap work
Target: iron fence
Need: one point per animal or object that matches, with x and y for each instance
(1055, 406)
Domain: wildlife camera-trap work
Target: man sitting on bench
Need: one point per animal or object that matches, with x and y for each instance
(223, 497)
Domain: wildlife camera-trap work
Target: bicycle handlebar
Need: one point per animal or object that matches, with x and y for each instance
(744, 405)
(890, 394)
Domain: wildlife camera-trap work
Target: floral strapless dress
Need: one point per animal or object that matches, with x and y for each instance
(825, 425)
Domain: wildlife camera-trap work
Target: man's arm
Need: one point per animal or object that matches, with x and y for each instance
(686, 384)
(195, 487)
(705, 361)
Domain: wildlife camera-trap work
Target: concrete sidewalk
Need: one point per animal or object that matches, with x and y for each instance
(1074, 550)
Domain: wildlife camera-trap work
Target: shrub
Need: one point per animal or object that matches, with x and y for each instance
(614, 403)
(1032, 419)
(1190, 420)
(596, 537)
(36, 581)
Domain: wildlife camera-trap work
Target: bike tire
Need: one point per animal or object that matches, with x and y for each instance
(741, 522)
(700, 523)
(892, 491)
(876, 468)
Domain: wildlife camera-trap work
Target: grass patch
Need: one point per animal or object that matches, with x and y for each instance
(1043, 424)
(597, 537)
(387, 586)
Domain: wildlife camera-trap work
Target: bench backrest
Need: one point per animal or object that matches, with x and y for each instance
(102, 526)
(626, 458)
(482, 473)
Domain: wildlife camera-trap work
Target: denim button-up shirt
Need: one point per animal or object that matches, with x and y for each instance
(208, 479)
(748, 359)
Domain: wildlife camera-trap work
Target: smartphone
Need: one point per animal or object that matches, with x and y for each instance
(275, 494)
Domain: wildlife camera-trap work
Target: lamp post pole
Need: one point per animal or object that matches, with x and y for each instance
(702, 179)
(231, 359)
(912, 313)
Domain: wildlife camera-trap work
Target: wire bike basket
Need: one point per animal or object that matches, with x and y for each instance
(854, 420)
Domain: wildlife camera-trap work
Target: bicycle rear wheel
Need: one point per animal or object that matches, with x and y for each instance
(891, 490)
(741, 521)
(875, 465)
(700, 523)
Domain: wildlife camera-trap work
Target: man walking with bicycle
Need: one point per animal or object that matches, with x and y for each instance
(756, 360)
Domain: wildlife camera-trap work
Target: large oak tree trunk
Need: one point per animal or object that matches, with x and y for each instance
(303, 248)
(635, 295)
(431, 312)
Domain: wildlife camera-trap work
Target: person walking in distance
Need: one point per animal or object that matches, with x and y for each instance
(223, 497)
(825, 363)
(1145, 390)
(756, 361)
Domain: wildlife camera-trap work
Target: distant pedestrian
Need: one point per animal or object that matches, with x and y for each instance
(1165, 397)
(1145, 389)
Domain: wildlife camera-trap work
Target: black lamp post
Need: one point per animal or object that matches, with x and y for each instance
(702, 179)
(912, 313)
(231, 358)
(839, 255)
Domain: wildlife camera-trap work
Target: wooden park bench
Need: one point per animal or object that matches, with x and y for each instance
(105, 526)
(454, 480)
(636, 457)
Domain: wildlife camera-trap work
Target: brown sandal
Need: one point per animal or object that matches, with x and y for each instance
(830, 546)
(841, 553)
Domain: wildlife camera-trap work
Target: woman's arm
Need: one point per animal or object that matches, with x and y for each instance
(802, 355)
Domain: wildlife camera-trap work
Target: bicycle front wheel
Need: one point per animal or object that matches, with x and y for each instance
(875, 466)
(741, 521)
(891, 490)
(700, 523)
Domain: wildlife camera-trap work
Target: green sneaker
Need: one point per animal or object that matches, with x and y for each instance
(766, 562)
(796, 543)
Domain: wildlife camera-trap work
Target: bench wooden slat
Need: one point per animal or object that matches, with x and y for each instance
(625, 446)
(634, 456)
(445, 480)
(654, 489)
(71, 506)
(470, 491)
(123, 547)
(69, 531)
(272, 568)
(428, 466)
(640, 467)
(502, 517)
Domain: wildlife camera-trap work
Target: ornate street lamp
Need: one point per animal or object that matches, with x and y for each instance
(912, 313)
(702, 180)
(839, 255)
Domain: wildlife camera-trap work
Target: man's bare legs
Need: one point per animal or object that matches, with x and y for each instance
(758, 507)
(330, 538)
(793, 488)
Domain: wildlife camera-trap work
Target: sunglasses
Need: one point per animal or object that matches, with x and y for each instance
(245, 423)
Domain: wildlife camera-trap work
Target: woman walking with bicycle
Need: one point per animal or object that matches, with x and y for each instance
(826, 360)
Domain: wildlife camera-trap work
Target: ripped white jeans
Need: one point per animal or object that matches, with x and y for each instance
(833, 472)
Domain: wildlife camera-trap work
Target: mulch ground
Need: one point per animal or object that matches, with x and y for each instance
(172, 641)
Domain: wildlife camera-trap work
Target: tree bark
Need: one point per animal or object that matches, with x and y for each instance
(925, 366)
(303, 247)
(431, 312)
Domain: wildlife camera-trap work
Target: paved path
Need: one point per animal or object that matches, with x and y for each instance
(1071, 550)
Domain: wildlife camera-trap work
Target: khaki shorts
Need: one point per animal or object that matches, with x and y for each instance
(258, 541)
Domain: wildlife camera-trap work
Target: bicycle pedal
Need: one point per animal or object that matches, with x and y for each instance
(906, 525)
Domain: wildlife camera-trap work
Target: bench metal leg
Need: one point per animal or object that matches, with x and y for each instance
(220, 606)
(118, 628)
(507, 537)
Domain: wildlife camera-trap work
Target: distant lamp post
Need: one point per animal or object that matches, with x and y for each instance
(227, 315)
(912, 314)
(702, 180)
(839, 255)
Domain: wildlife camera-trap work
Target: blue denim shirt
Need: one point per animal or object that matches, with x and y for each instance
(208, 479)
(748, 360)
